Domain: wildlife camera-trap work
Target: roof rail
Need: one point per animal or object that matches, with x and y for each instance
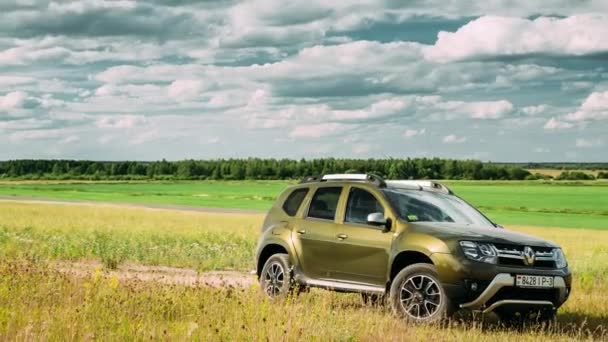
(420, 184)
(366, 177)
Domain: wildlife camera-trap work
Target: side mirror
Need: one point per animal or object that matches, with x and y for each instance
(378, 219)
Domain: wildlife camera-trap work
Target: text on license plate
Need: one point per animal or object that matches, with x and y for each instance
(533, 281)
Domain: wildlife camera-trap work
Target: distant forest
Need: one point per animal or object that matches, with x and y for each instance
(256, 168)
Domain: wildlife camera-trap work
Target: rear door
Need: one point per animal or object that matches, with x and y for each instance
(315, 234)
(362, 250)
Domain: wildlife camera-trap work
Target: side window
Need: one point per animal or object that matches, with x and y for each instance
(324, 203)
(294, 200)
(360, 204)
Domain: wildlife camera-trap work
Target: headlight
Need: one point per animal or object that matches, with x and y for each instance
(560, 258)
(477, 251)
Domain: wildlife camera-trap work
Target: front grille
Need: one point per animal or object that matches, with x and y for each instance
(550, 295)
(513, 255)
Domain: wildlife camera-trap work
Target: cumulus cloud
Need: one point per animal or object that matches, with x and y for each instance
(510, 36)
(595, 107)
(298, 71)
(185, 90)
(375, 110)
(476, 109)
(454, 139)
(101, 18)
(154, 73)
(534, 110)
(13, 100)
(555, 124)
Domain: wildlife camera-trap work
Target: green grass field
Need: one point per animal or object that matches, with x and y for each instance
(578, 205)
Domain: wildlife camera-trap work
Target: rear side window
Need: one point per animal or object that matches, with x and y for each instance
(294, 200)
(324, 203)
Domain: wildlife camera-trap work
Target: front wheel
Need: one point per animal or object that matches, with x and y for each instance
(275, 279)
(417, 295)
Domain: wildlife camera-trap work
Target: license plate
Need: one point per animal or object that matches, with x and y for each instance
(533, 281)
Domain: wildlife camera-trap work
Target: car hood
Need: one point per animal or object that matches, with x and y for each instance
(456, 231)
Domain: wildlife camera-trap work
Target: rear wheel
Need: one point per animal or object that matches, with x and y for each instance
(276, 279)
(417, 295)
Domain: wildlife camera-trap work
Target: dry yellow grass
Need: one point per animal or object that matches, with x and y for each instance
(37, 302)
(554, 172)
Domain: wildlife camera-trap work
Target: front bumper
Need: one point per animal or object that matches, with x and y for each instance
(495, 284)
(492, 298)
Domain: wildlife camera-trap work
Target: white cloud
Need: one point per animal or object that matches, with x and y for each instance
(186, 90)
(490, 109)
(150, 74)
(483, 110)
(410, 133)
(120, 121)
(375, 110)
(453, 139)
(584, 143)
(508, 36)
(534, 110)
(555, 124)
(595, 107)
(13, 100)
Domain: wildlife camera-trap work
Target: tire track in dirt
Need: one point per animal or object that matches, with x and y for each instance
(159, 274)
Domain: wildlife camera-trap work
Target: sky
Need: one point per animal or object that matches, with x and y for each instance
(512, 80)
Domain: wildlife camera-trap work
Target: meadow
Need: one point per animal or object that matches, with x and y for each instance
(538, 203)
(38, 301)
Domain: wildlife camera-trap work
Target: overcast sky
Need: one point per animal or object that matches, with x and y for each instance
(490, 80)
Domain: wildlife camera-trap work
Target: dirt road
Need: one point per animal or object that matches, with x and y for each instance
(128, 205)
(160, 274)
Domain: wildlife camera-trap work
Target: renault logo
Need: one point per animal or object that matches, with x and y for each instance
(529, 256)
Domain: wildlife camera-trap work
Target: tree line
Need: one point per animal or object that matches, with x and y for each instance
(257, 168)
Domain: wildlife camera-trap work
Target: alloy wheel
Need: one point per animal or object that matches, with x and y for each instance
(420, 297)
(274, 278)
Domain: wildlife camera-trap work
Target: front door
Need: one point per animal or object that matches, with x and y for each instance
(314, 235)
(362, 250)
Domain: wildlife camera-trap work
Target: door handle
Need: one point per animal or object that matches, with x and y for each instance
(342, 236)
(301, 231)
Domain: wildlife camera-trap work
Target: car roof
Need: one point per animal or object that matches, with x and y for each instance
(377, 181)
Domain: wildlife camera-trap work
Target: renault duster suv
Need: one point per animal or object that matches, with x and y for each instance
(414, 244)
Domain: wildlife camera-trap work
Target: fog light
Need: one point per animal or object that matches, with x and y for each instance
(474, 286)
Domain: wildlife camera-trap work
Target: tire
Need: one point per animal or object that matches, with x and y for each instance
(373, 299)
(417, 295)
(276, 278)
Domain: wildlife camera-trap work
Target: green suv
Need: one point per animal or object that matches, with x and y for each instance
(413, 244)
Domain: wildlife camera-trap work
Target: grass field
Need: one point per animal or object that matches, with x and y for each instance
(37, 302)
(554, 204)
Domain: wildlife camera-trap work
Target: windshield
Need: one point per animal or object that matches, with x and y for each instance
(428, 206)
